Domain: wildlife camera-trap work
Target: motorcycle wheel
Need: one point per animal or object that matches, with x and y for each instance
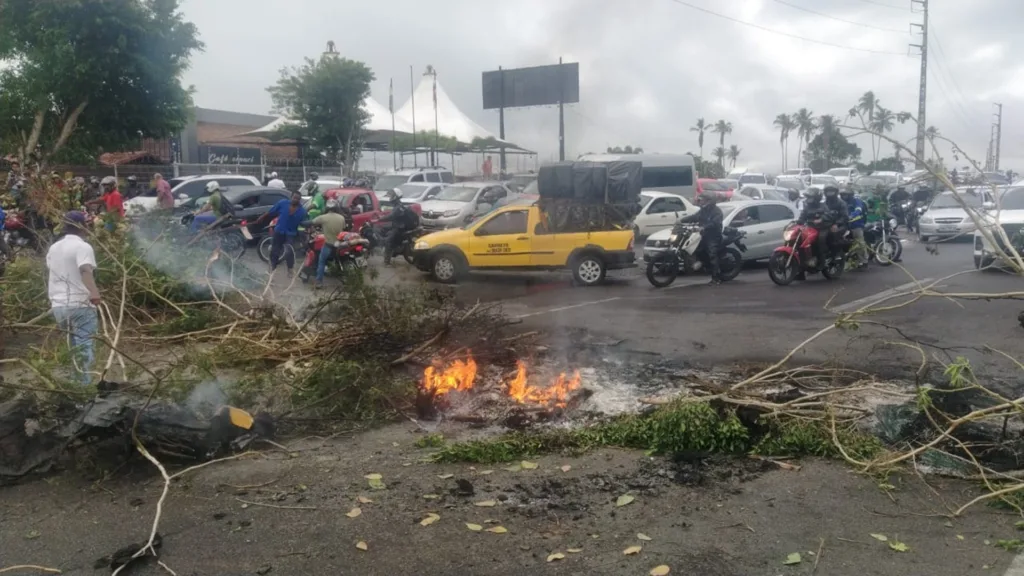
(834, 268)
(663, 269)
(263, 249)
(407, 254)
(779, 272)
(729, 265)
(886, 252)
(233, 244)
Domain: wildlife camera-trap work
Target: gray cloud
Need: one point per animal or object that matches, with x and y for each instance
(649, 68)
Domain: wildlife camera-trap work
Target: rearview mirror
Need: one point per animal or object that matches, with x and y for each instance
(182, 196)
(988, 205)
(239, 207)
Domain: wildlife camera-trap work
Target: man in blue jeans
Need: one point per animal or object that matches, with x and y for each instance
(290, 215)
(74, 296)
(333, 224)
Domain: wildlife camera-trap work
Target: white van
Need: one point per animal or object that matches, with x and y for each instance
(672, 173)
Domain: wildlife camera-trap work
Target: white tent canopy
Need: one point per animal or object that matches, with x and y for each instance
(379, 123)
(450, 120)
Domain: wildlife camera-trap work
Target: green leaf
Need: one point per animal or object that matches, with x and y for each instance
(880, 537)
(899, 546)
(792, 559)
(624, 500)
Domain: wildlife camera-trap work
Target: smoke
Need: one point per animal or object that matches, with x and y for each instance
(207, 398)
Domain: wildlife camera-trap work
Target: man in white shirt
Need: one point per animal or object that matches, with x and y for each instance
(275, 182)
(71, 262)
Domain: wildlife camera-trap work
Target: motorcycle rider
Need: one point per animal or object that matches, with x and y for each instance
(896, 200)
(112, 202)
(133, 188)
(275, 182)
(857, 219)
(816, 214)
(839, 214)
(709, 217)
(333, 224)
(403, 219)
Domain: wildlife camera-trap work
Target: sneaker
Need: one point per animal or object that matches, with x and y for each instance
(715, 282)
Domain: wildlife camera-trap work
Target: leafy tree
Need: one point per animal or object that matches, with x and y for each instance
(425, 139)
(722, 128)
(706, 169)
(805, 127)
(883, 123)
(325, 98)
(81, 77)
(866, 106)
(785, 125)
(734, 154)
(626, 150)
(890, 164)
(720, 153)
(829, 148)
(700, 128)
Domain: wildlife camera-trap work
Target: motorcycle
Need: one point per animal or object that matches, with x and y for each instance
(685, 255)
(369, 232)
(229, 236)
(18, 234)
(796, 256)
(267, 242)
(882, 243)
(404, 248)
(350, 252)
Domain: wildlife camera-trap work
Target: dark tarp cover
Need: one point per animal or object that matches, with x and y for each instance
(592, 182)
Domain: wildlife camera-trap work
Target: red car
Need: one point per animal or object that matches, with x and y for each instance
(363, 204)
(724, 188)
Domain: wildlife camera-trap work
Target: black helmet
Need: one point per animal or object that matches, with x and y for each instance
(846, 192)
(314, 176)
(813, 194)
(831, 191)
(133, 179)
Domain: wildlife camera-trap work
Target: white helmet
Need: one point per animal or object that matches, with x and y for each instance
(273, 174)
(109, 180)
(276, 183)
(212, 186)
(396, 193)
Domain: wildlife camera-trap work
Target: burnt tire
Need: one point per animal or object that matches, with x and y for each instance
(588, 269)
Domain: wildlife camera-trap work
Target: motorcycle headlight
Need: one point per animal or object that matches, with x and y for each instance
(421, 245)
(789, 235)
(337, 243)
(673, 237)
(450, 213)
(892, 223)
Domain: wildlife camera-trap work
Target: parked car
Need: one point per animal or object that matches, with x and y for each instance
(762, 192)
(724, 188)
(844, 175)
(1011, 218)
(946, 218)
(802, 173)
(762, 220)
(418, 192)
(459, 203)
(823, 180)
(753, 178)
(659, 210)
(393, 180)
(364, 205)
(189, 188)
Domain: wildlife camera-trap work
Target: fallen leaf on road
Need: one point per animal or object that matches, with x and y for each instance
(474, 527)
(662, 570)
(898, 546)
(354, 513)
(485, 472)
(632, 550)
(364, 500)
(642, 536)
(485, 503)
(528, 465)
(407, 464)
(566, 468)
(497, 530)
(624, 499)
(555, 556)
(395, 444)
(445, 476)
(32, 535)
(792, 559)
(362, 546)
(595, 536)
(959, 537)
(880, 537)
(430, 519)
(376, 481)
(514, 468)
(574, 550)
(373, 477)
(431, 496)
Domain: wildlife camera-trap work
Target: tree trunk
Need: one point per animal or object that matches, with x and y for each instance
(68, 128)
(33, 137)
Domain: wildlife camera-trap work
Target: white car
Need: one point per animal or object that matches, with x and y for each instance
(393, 180)
(1011, 218)
(189, 188)
(822, 180)
(659, 211)
(416, 192)
(946, 218)
(844, 175)
(753, 178)
(762, 192)
(803, 173)
(762, 220)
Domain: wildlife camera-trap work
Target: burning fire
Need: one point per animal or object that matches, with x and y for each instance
(461, 375)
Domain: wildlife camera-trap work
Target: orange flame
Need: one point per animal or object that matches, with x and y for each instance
(458, 375)
(557, 394)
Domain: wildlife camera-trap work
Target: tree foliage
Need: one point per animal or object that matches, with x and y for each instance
(325, 98)
(627, 149)
(830, 148)
(426, 139)
(86, 76)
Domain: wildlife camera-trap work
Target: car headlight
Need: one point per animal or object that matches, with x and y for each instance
(421, 245)
(450, 213)
(926, 220)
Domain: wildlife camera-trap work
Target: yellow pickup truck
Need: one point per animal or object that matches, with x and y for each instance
(517, 238)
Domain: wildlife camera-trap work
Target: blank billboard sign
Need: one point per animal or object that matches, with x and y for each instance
(536, 86)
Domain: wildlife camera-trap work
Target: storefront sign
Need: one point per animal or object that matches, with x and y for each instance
(228, 155)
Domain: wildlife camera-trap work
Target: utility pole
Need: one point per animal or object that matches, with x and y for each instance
(922, 96)
(998, 136)
(561, 113)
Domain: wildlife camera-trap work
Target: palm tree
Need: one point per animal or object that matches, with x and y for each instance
(805, 125)
(866, 106)
(785, 125)
(700, 128)
(930, 133)
(883, 122)
(720, 153)
(827, 126)
(734, 154)
(722, 128)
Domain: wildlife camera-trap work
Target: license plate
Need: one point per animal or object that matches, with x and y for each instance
(947, 228)
(246, 233)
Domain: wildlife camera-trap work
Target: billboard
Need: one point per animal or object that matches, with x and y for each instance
(230, 155)
(536, 86)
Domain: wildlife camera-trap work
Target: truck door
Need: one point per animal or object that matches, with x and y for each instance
(548, 247)
(501, 240)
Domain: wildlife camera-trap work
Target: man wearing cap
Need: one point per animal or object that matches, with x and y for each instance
(73, 293)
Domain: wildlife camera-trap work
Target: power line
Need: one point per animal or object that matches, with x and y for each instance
(872, 2)
(843, 20)
(944, 62)
(786, 34)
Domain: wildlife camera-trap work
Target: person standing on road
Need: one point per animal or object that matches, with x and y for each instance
(403, 221)
(73, 293)
(857, 217)
(164, 199)
(333, 224)
(290, 215)
(710, 218)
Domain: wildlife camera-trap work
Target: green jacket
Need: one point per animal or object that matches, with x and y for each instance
(318, 205)
(878, 209)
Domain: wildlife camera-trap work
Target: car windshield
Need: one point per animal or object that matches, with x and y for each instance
(389, 182)
(839, 172)
(716, 186)
(645, 200)
(794, 171)
(790, 183)
(531, 188)
(775, 195)
(752, 179)
(412, 191)
(823, 180)
(1012, 199)
(458, 194)
(946, 200)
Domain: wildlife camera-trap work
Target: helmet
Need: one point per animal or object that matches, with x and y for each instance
(831, 191)
(277, 183)
(314, 175)
(846, 193)
(94, 180)
(273, 175)
(813, 194)
(331, 206)
(108, 183)
(362, 183)
(395, 194)
(212, 186)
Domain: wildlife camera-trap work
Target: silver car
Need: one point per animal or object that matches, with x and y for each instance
(457, 204)
(946, 218)
(762, 220)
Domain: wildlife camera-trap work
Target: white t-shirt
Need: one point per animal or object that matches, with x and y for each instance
(276, 183)
(64, 259)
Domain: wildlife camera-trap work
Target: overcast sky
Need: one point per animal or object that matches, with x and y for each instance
(648, 68)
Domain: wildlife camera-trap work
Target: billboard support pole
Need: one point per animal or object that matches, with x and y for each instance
(501, 120)
(561, 113)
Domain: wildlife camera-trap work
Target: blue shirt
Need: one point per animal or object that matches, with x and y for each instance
(3, 218)
(858, 213)
(287, 223)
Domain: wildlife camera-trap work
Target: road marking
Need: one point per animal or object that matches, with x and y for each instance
(1016, 567)
(883, 295)
(685, 283)
(561, 308)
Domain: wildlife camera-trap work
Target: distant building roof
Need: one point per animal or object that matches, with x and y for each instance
(211, 116)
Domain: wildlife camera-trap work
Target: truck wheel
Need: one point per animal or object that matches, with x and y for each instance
(446, 268)
(589, 270)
